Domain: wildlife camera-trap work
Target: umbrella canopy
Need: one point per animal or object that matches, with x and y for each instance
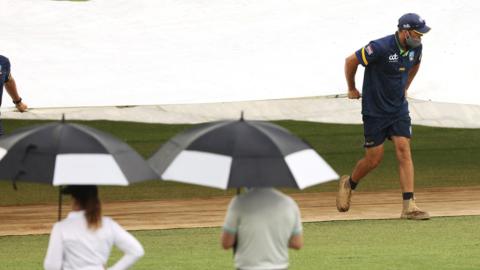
(241, 154)
(70, 154)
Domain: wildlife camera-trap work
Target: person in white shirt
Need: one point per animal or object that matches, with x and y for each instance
(262, 223)
(84, 239)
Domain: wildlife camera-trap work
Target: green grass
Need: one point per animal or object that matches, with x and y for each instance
(443, 157)
(441, 243)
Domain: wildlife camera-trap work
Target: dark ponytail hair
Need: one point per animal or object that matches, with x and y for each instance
(87, 199)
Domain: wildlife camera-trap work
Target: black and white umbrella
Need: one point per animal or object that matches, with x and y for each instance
(233, 154)
(70, 154)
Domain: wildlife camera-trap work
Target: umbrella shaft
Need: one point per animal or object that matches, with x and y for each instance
(59, 203)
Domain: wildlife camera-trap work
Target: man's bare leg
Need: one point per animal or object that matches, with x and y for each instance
(373, 157)
(405, 163)
(406, 173)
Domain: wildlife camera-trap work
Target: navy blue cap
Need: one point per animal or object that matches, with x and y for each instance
(412, 21)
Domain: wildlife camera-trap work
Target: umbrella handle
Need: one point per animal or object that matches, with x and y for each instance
(59, 203)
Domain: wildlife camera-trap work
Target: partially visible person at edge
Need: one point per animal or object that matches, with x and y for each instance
(7, 80)
(391, 64)
(85, 238)
(261, 224)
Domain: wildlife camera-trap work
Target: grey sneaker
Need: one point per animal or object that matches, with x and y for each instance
(344, 194)
(411, 211)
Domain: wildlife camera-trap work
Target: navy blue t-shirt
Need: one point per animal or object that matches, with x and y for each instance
(386, 74)
(4, 73)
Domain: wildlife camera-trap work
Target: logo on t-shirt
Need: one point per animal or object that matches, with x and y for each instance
(393, 58)
(1, 70)
(411, 56)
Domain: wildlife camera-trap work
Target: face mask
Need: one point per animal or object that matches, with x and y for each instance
(411, 42)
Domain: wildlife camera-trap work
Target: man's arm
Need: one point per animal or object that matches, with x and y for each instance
(11, 88)
(230, 227)
(296, 238)
(351, 65)
(411, 75)
(296, 241)
(228, 240)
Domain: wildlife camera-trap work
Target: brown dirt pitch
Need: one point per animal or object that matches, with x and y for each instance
(192, 213)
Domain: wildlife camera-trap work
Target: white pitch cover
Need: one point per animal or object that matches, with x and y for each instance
(309, 169)
(87, 169)
(201, 168)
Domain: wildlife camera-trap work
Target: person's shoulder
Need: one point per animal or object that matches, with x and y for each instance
(108, 221)
(62, 225)
(69, 222)
(383, 42)
(387, 38)
(110, 224)
(290, 200)
(285, 198)
(58, 225)
(240, 199)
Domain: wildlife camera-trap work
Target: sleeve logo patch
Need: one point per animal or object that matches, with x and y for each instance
(369, 50)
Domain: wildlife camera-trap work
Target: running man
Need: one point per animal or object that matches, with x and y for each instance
(391, 64)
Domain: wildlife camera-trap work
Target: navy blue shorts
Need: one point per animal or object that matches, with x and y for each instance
(377, 129)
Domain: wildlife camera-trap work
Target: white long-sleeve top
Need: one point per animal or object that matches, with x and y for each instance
(73, 246)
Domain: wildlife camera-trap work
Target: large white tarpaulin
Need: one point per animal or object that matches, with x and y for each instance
(124, 52)
(318, 109)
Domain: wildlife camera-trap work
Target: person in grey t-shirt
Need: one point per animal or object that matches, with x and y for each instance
(264, 223)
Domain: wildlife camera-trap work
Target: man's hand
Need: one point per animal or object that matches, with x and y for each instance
(296, 241)
(11, 88)
(351, 64)
(228, 240)
(21, 107)
(353, 94)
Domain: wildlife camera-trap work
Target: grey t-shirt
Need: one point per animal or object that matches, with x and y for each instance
(264, 220)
